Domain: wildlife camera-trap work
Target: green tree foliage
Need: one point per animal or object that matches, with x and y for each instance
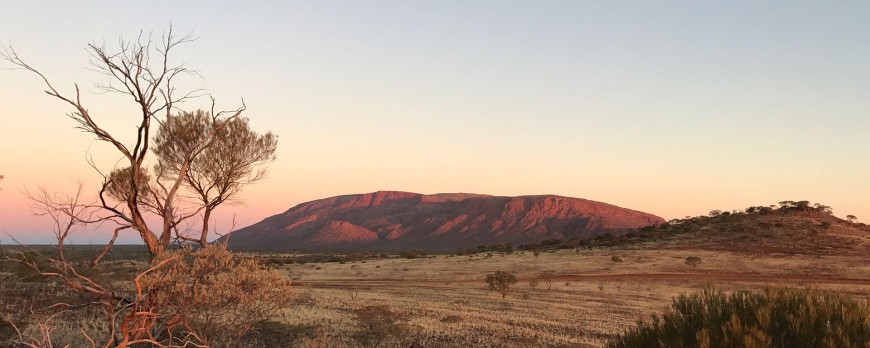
(501, 281)
(771, 318)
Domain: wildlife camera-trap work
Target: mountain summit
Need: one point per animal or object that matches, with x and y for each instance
(391, 220)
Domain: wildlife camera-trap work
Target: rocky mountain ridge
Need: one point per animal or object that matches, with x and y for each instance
(393, 220)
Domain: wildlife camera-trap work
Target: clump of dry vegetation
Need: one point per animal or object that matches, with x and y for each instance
(501, 282)
(213, 293)
(770, 318)
(378, 325)
(208, 296)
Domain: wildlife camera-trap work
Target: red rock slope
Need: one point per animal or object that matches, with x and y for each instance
(388, 220)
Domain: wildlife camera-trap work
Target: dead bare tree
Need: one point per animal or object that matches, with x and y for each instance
(67, 212)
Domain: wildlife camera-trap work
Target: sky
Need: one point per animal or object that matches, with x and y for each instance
(674, 108)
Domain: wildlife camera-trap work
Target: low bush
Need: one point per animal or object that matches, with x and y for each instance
(272, 333)
(379, 325)
(500, 281)
(770, 318)
(217, 294)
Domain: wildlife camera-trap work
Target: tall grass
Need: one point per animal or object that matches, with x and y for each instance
(771, 318)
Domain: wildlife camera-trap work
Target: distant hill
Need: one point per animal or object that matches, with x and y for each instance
(790, 228)
(389, 220)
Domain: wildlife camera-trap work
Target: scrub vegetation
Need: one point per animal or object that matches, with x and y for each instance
(581, 297)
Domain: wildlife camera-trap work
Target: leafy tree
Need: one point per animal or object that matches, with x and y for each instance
(501, 282)
(851, 218)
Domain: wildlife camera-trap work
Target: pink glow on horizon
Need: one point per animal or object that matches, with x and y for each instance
(713, 105)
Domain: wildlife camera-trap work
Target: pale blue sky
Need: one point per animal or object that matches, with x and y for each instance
(674, 108)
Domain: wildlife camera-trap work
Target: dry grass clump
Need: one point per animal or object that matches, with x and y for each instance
(771, 318)
(214, 293)
(379, 325)
(208, 296)
(272, 333)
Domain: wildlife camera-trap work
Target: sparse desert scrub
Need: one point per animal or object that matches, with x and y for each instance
(580, 315)
(693, 261)
(428, 291)
(379, 325)
(774, 317)
(533, 283)
(215, 294)
(501, 282)
(209, 295)
(547, 277)
(272, 333)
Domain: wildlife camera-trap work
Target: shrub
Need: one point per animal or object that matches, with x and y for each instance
(451, 319)
(377, 325)
(772, 318)
(413, 254)
(501, 281)
(547, 277)
(693, 261)
(272, 333)
(218, 294)
(615, 258)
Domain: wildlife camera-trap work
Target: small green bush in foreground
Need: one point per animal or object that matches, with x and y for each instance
(770, 318)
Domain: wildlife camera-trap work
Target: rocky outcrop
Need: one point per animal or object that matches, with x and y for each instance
(390, 220)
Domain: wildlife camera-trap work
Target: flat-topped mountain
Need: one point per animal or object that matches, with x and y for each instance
(390, 220)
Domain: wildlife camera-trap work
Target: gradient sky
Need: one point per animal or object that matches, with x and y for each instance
(669, 107)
